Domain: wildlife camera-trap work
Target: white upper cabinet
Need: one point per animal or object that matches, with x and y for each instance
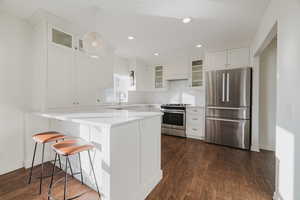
(87, 73)
(63, 74)
(60, 88)
(217, 59)
(239, 57)
(92, 77)
(230, 58)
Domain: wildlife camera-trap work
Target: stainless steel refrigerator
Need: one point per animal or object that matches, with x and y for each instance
(228, 107)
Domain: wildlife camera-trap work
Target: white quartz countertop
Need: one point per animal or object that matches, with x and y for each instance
(104, 117)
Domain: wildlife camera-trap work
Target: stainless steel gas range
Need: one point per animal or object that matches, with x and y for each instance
(174, 119)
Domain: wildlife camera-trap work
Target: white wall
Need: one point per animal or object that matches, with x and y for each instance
(267, 97)
(14, 89)
(286, 14)
(121, 66)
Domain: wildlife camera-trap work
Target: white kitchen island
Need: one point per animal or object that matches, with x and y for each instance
(127, 157)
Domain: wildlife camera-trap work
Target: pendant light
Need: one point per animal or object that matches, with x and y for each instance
(93, 43)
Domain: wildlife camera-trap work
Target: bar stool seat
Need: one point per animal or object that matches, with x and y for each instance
(71, 147)
(68, 148)
(47, 137)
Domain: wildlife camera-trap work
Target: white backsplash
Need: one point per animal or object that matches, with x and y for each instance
(177, 92)
(137, 97)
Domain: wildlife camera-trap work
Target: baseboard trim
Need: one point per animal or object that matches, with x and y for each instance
(255, 148)
(195, 137)
(150, 185)
(277, 196)
(11, 168)
(13, 171)
(27, 163)
(267, 147)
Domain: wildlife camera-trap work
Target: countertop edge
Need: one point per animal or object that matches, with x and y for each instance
(86, 122)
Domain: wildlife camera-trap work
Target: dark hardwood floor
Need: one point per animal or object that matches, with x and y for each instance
(193, 170)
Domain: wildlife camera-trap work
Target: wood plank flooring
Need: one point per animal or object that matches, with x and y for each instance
(193, 170)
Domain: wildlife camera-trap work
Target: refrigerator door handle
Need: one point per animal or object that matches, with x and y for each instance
(228, 86)
(227, 108)
(223, 87)
(224, 120)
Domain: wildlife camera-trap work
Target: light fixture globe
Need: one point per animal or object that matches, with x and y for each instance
(93, 44)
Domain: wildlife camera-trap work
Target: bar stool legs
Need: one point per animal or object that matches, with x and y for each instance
(80, 168)
(42, 166)
(53, 169)
(67, 158)
(92, 167)
(42, 170)
(68, 148)
(43, 138)
(66, 178)
(32, 163)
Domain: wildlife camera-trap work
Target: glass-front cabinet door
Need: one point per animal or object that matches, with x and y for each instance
(197, 73)
(158, 76)
(61, 38)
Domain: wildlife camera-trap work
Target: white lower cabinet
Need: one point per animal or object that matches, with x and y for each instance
(195, 122)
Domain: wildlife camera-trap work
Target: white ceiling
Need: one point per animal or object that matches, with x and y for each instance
(156, 25)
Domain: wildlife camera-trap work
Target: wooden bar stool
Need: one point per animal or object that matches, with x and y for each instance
(67, 148)
(44, 138)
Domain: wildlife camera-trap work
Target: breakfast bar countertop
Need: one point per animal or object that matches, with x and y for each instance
(105, 117)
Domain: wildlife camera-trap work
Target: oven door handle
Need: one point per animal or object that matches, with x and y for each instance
(172, 111)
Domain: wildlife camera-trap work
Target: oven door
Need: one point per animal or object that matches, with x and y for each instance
(173, 119)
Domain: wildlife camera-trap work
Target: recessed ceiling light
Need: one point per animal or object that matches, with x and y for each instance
(199, 45)
(186, 20)
(131, 38)
(156, 54)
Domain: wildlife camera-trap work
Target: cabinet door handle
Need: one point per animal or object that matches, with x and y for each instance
(195, 118)
(194, 129)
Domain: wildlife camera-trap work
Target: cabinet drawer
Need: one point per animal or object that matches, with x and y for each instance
(195, 120)
(195, 132)
(197, 111)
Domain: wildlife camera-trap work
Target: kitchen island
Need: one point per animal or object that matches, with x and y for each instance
(127, 157)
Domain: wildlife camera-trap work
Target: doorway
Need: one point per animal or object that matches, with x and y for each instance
(268, 96)
(268, 106)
